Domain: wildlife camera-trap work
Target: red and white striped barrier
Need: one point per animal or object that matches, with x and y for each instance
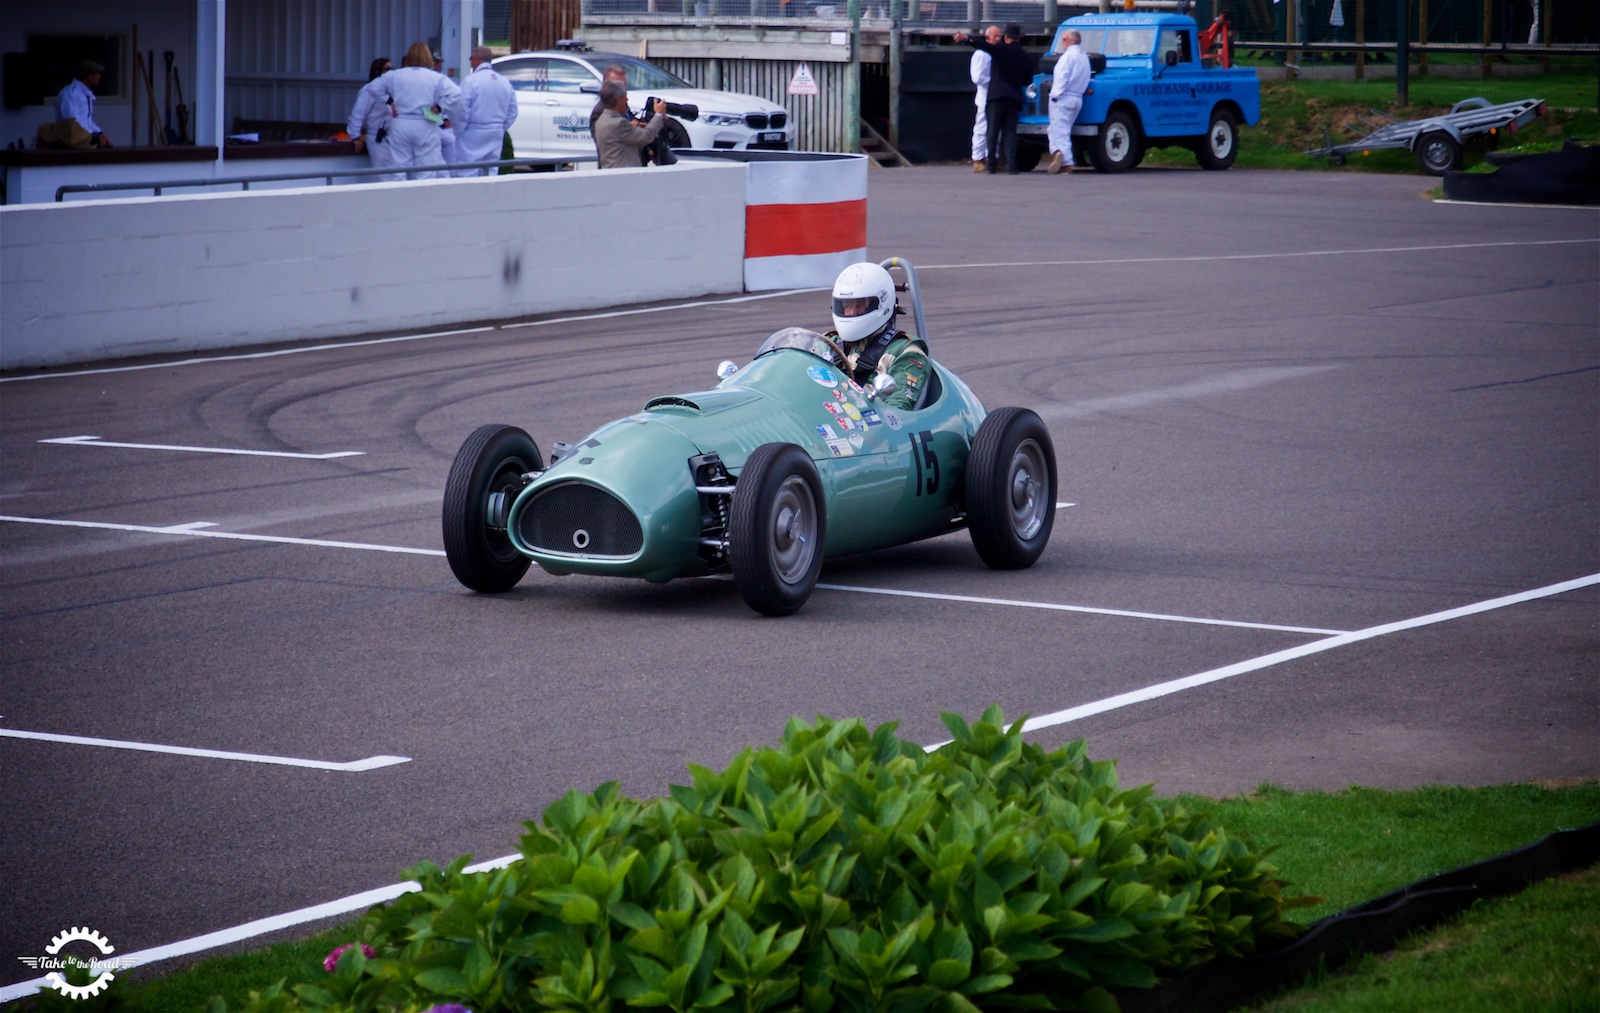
(805, 218)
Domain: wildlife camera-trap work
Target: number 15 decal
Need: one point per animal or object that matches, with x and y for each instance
(927, 463)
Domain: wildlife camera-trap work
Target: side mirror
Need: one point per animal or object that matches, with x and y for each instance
(726, 368)
(1172, 57)
(880, 387)
(589, 89)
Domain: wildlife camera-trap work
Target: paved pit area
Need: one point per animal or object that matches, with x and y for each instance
(1330, 450)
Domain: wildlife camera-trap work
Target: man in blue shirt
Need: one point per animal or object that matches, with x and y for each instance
(76, 102)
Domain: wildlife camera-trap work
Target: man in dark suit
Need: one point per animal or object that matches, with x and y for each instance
(1011, 72)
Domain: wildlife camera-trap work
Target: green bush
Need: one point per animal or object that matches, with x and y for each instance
(846, 870)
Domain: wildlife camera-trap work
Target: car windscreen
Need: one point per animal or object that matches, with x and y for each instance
(644, 77)
(1119, 41)
(798, 338)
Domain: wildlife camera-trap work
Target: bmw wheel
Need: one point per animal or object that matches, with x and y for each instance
(775, 529)
(486, 475)
(1011, 489)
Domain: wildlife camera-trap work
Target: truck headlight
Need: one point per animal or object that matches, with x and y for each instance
(1031, 92)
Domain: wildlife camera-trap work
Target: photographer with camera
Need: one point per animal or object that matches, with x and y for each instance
(657, 151)
(618, 139)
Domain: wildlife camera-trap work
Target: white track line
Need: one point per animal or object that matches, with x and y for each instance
(370, 763)
(1294, 653)
(95, 441)
(1016, 603)
(191, 530)
(382, 895)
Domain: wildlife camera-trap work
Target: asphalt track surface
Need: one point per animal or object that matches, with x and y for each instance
(1329, 447)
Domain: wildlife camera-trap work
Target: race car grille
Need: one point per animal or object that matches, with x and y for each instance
(573, 519)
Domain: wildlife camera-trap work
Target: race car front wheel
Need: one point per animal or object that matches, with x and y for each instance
(487, 473)
(1011, 489)
(775, 529)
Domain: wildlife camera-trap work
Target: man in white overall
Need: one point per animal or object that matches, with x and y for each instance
(979, 71)
(488, 108)
(1067, 85)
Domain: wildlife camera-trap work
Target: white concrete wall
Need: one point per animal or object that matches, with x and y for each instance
(109, 278)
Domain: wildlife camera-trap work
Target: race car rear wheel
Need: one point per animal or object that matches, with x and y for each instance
(775, 529)
(493, 460)
(1011, 489)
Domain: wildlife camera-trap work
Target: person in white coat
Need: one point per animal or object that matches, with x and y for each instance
(423, 98)
(76, 102)
(488, 108)
(979, 71)
(370, 119)
(1067, 85)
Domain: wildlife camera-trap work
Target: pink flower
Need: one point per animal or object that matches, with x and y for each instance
(338, 951)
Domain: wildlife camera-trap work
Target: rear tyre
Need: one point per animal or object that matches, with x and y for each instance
(776, 527)
(1220, 146)
(1011, 489)
(492, 460)
(1119, 146)
(1438, 153)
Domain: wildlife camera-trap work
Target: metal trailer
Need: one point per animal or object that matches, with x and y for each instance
(1438, 140)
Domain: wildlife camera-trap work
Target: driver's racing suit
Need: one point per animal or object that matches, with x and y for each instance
(903, 357)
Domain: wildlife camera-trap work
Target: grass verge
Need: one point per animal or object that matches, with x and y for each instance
(1536, 950)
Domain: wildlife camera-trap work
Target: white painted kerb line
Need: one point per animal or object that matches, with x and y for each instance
(95, 441)
(370, 763)
(1293, 654)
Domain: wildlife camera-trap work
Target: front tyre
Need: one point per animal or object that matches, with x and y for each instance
(1220, 146)
(1119, 146)
(1011, 489)
(775, 529)
(491, 461)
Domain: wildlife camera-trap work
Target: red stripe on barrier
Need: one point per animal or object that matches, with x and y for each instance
(789, 230)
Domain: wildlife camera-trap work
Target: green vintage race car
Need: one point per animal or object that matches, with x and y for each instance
(784, 463)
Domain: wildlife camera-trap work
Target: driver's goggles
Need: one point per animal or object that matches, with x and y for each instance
(854, 307)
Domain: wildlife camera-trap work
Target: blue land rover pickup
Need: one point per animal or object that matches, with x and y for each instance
(1157, 82)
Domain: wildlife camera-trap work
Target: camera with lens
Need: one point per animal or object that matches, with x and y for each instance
(681, 110)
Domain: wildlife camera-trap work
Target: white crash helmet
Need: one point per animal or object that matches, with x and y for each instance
(863, 302)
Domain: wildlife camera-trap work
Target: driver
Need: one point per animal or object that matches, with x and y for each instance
(863, 317)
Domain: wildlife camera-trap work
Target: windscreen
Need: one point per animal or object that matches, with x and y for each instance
(798, 338)
(645, 77)
(1119, 41)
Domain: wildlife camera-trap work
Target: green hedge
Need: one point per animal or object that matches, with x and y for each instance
(846, 869)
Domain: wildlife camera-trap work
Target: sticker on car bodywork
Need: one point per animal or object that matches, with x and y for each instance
(856, 440)
(852, 411)
(871, 418)
(841, 448)
(845, 423)
(822, 375)
(891, 419)
(827, 432)
(833, 407)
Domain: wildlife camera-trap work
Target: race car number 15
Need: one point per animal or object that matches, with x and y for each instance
(927, 462)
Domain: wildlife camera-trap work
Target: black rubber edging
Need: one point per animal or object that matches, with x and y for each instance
(1372, 927)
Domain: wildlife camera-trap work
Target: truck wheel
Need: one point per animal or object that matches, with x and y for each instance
(1011, 489)
(775, 529)
(1438, 153)
(1220, 146)
(492, 460)
(1119, 146)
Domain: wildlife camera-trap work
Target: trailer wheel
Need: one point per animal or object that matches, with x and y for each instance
(1438, 152)
(1220, 146)
(1119, 146)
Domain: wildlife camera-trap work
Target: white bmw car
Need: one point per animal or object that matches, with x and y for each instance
(557, 89)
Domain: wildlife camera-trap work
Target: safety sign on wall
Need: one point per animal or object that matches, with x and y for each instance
(802, 83)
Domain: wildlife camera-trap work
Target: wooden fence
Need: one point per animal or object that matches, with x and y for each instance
(538, 24)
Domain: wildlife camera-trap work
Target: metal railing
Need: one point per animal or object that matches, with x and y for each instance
(327, 176)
